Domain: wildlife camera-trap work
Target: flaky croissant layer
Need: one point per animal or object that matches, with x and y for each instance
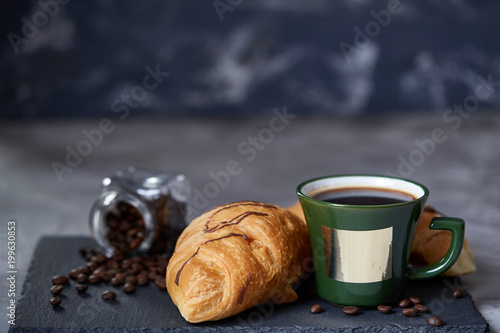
(236, 256)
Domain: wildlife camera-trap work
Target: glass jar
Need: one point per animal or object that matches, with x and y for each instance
(140, 211)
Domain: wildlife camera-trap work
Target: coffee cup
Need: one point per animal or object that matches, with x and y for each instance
(361, 229)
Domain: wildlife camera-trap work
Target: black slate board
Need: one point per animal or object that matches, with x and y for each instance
(152, 310)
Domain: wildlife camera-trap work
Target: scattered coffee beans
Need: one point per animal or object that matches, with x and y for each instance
(404, 303)
(385, 309)
(142, 280)
(131, 279)
(116, 281)
(129, 288)
(93, 279)
(82, 278)
(106, 276)
(118, 270)
(161, 284)
(57, 289)
(435, 321)
(421, 308)
(350, 310)
(60, 279)
(108, 295)
(316, 308)
(73, 274)
(81, 288)
(458, 293)
(55, 301)
(410, 312)
(415, 300)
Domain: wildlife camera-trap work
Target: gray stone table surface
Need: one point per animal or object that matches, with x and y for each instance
(457, 158)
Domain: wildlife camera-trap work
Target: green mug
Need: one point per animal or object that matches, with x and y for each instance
(361, 248)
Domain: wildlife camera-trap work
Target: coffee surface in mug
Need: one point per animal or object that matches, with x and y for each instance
(363, 196)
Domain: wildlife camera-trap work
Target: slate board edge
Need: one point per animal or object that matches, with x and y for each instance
(388, 328)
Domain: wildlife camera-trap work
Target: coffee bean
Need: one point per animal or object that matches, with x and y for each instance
(137, 268)
(73, 274)
(384, 309)
(60, 279)
(350, 310)
(55, 301)
(108, 295)
(435, 321)
(421, 308)
(142, 280)
(113, 264)
(84, 250)
(135, 243)
(57, 289)
(94, 279)
(415, 300)
(129, 288)
(106, 276)
(131, 279)
(118, 255)
(410, 312)
(98, 272)
(152, 275)
(316, 308)
(116, 281)
(99, 258)
(160, 283)
(132, 232)
(126, 264)
(82, 278)
(81, 288)
(92, 265)
(458, 293)
(84, 269)
(404, 303)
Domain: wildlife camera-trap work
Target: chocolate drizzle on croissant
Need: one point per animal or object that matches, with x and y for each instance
(233, 221)
(239, 218)
(198, 249)
(241, 295)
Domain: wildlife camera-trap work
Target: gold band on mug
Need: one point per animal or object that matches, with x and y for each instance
(358, 256)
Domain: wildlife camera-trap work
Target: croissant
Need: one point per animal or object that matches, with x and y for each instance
(236, 256)
(429, 246)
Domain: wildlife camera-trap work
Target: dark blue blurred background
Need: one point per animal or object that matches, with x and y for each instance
(231, 58)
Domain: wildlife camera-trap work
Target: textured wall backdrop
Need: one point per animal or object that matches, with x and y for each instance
(63, 58)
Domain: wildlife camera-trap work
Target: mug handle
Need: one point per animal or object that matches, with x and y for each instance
(456, 226)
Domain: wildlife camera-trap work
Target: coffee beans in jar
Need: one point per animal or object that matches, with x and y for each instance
(140, 211)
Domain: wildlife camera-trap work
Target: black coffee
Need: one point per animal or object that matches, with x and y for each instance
(363, 196)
